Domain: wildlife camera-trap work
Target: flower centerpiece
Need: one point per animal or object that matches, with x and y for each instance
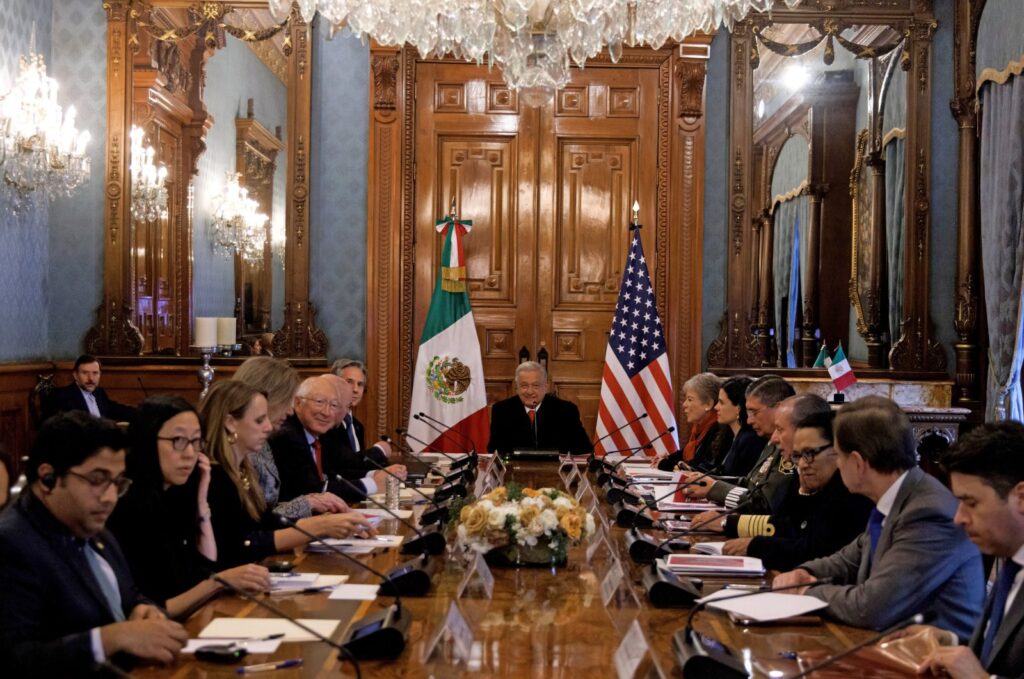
(523, 526)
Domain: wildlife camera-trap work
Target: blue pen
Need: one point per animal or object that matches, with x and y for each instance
(269, 666)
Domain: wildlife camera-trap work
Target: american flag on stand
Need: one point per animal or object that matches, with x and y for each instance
(636, 374)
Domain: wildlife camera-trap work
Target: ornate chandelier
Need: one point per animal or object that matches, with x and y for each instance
(534, 42)
(238, 225)
(42, 154)
(149, 196)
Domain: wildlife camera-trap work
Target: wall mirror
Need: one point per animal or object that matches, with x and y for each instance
(222, 93)
(823, 246)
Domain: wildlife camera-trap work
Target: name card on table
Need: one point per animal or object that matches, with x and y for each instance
(455, 628)
(571, 477)
(478, 567)
(631, 652)
(595, 545)
(611, 582)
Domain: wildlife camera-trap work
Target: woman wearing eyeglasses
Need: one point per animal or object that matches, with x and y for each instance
(163, 522)
(236, 424)
(818, 520)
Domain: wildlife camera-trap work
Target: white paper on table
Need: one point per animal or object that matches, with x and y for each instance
(708, 547)
(765, 606)
(251, 645)
(292, 580)
(406, 494)
(355, 592)
(284, 586)
(400, 513)
(376, 541)
(669, 506)
(256, 628)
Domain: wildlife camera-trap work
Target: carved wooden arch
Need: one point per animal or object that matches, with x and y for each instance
(738, 343)
(390, 335)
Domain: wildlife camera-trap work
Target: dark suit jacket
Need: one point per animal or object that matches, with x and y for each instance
(70, 398)
(923, 562)
(240, 538)
(743, 453)
(558, 427)
(51, 600)
(1008, 648)
(295, 463)
(373, 452)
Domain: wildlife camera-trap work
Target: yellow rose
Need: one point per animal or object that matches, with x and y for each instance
(497, 496)
(528, 515)
(464, 514)
(530, 492)
(476, 520)
(572, 525)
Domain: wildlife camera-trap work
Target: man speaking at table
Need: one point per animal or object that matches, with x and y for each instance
(534, 419)
(912, 558)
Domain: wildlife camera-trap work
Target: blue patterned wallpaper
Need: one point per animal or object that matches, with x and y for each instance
(338, 193)
(23, 240)
(233, 75)
(76, 224)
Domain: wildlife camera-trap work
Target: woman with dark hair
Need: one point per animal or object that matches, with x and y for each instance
(163, 522)
(237, 423)
(746, 445)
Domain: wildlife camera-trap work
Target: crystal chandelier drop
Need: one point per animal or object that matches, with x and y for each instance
(534, 42)
(149, 196)
(238, 225)
(42, 154)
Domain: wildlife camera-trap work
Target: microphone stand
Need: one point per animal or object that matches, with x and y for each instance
(469, 460)
(604, 476)
(701, 656)
(444, 492)
(425, 543)
(642, 548)
(343, 653)
(451, 430)
(594, 462)
(439, 514)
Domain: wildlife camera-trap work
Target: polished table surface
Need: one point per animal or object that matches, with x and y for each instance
(540, 622)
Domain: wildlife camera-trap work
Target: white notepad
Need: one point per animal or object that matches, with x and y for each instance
(765, 606)
(255, 628)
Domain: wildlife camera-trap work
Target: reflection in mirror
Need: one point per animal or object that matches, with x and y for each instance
(246, 95)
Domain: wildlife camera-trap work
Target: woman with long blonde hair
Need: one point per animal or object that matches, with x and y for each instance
(236, 423)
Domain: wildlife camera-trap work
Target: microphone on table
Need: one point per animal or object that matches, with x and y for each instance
(343, 653)
(439, 514)
(452, 430)
(642, 548)
(594, 463)
(425, 543)
(626, 517)
(455, 464)
(703, 656)
(610, 471)
(917, 619)
(470, 459)
(407, 578)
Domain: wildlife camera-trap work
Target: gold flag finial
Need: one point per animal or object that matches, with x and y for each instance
(636, 212)
(451, 208)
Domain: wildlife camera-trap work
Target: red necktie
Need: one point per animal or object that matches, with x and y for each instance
(532, 414)
(318, 453)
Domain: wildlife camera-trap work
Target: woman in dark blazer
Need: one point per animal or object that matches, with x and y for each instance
(746, 446)
(163, 523)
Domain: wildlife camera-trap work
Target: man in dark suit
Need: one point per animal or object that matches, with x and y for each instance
(536, 420)
(912, 558)
(69, 601)
(354, 373)
(85, 393)
(986, 469)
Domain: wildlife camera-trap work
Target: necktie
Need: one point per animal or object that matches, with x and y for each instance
(1004, 583)
(350, 427)
(532, 414)
(318, 456)
(109, 589)
(90, 403)
(874, 531)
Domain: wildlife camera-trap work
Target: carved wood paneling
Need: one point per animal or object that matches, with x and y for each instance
(572, 101)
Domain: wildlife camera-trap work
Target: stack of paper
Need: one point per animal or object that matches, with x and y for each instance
(356, 545)
(283, 583)
(381, 514)
(257, 628)
(764, 607)
(708, 548)
(703, 564)
(695, 506)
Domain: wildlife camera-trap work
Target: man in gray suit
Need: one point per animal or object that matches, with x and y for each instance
(986, 470)
(912, 558)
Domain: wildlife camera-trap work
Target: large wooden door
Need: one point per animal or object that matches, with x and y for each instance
(549, 191)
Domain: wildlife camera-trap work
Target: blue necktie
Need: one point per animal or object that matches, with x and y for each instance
(351, 429)
(874, 531)
(109, 589)
(1004, 583)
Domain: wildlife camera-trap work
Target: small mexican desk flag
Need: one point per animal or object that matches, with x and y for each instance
(823, 361)
(840, 370)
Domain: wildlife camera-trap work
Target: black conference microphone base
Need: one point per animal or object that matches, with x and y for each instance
(701, 656)
(645, 549)
(443, 493)
(667, 590)
(621, 495)
(379, 635)
(431, 542)
(407, 579)
(438, 514)
(626, 517)
(612, 480)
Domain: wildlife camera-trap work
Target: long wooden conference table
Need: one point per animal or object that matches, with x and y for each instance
(539, 622)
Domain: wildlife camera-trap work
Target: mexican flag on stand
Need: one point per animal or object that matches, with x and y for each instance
(840, 371)
(448, 384)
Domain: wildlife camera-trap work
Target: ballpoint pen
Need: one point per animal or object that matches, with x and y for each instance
(269, 666)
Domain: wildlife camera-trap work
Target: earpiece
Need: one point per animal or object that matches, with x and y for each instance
(49, 481)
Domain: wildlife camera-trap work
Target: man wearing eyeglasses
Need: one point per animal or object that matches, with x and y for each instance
(69, 602)
(818, 517)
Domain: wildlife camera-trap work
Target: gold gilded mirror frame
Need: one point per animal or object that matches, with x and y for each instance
(738, 344)
(180, 73)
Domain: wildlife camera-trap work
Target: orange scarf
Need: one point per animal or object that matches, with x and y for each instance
(697, 433)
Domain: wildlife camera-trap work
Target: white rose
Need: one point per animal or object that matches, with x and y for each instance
(496, 519)
(548, 520)
(564, 502)
(588, 524)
